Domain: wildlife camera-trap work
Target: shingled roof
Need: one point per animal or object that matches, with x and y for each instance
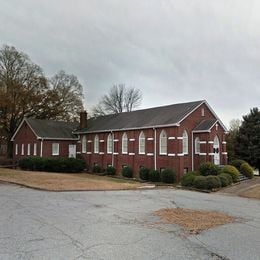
(205, 125)
(145, 118)
(49, 129)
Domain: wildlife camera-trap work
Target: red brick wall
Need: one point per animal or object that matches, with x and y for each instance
(26, 136)
(174, 158)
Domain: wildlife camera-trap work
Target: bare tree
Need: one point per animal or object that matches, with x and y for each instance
(22, 85)
(25, 91)
(119, 99)
(64, 97)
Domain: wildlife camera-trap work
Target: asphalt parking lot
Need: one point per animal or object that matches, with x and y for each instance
(120, 225)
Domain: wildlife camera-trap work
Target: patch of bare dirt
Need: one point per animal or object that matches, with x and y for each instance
(193, 221)
(65, 182)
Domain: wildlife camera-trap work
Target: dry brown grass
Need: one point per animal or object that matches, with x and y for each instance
(252, 192)
(248, 189)
(194, 221)
(65, 181)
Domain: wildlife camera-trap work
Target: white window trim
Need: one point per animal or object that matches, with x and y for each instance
(84, 144)
(185, 137)
(160, 144)
(124, 143)
(141, 138)
(58, 149)
(22, 149)
(96, 144)
(28, 149)
(35, 149)
(109, 144)
(197, 145)
(16, 149)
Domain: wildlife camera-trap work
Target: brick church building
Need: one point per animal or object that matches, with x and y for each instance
(178, 136)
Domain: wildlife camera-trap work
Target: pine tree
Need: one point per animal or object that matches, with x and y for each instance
(247, 145)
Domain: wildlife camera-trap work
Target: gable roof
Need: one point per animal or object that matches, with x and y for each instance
(49, 129)
(205, 125)
(152, 117)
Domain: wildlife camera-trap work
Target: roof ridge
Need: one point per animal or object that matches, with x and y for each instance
(150, 108)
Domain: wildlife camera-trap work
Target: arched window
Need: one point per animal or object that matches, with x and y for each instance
(185, 142)
(124, 144)
(142, 143)
(109, 144)
(197, 145)
(96, 144)
(163, 142)
(84, 144)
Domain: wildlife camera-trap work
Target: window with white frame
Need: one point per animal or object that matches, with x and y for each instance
(16, 149)
(163, 143)
(185, 142)
(142, 143)
(197, 145)
(35, 149)
(22, 149)
(124, 144)
(109, 144)
(84, 144)
(202, 112)
(55, 148)
(28, 149)
(96, 144)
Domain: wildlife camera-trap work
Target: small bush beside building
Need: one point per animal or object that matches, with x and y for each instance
(66, 165)
(210, 176)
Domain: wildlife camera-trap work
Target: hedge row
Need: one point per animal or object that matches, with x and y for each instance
(166, 176)
(68, 165)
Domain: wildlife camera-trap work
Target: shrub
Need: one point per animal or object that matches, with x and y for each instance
(224, 179)
(154, 175)
(73, 165)
(228, 177)
(237, 163)
(200, 182)
(209, 168)
(231, 170)
(144, 173)
(110, 170)
(247, 170)
(187, 179)
(52, 165)
(96, 169)
(127, 172)
(168, 176)
(213, 182)
(26, 163)
(39, 164)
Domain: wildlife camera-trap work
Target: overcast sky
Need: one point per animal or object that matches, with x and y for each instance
(173, 51)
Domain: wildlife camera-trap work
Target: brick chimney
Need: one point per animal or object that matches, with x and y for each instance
(83, 119)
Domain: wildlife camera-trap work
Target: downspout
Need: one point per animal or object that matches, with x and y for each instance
(192, 152)
(155, 150)
(41, 152)
(112, 148)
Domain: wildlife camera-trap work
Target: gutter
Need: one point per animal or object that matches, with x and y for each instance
(125, 129)
(155, 149)
(112, 148)
(192, 151)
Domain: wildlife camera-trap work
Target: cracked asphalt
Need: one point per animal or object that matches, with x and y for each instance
(120, 225)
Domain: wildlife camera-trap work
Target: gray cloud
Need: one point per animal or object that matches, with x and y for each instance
(173, 51)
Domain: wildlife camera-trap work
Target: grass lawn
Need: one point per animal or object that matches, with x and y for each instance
(65, 181)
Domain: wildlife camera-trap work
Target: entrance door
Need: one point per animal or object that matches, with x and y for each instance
(72, 151)
(216, 151)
